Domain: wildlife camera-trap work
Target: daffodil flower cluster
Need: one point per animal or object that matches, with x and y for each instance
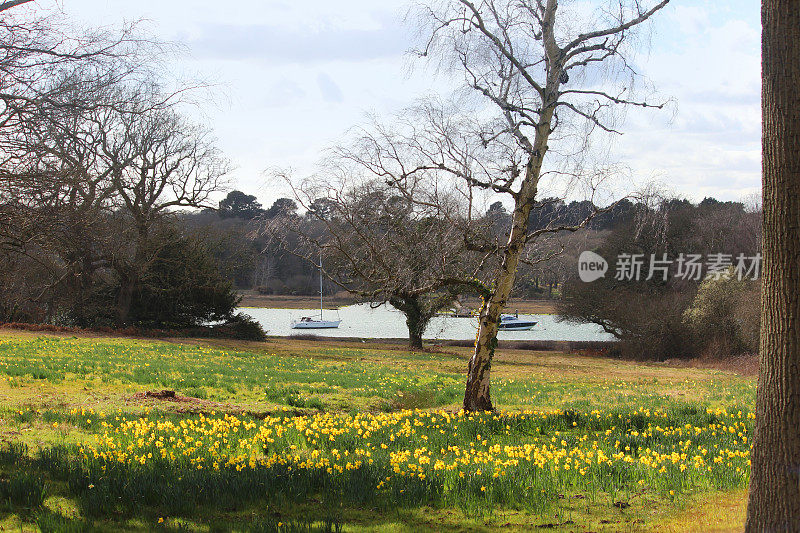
(597, 450)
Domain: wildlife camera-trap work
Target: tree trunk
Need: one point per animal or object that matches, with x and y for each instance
(417, 321)
(417, 318)
(124, 300)
(775, 474)
(131, 274)
(476, 393)
(415, 331)
(477, 396)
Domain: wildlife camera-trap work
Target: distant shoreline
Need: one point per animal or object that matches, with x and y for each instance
(275, 301)
(272, 301)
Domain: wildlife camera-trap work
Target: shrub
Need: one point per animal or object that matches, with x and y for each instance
(646, 319)
(724, 316)
(242, 327)
(301, 284)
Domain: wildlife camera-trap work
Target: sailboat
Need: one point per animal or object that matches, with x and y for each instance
(311, 322)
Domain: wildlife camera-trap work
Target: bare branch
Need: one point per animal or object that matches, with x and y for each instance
(11, 4)
(642, 16)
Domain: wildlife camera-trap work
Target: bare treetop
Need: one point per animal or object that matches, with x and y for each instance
(522, 57)
(552, 73)
(46, 63)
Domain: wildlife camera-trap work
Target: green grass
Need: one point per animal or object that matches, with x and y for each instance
(299, 436)
(222, 375)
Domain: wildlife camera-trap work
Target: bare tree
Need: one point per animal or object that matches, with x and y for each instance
(552, 77)
(160, 163)
(98, 175)
(380, 245)
(775, 475)
(41, 53)
(94, 153)
(53, 187)
(265, 270)
(66, 187)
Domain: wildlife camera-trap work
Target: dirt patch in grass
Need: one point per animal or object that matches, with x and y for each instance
(188, 403)
(744, 365)
(721, 512)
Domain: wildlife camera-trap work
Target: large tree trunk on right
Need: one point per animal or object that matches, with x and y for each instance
(775, 474)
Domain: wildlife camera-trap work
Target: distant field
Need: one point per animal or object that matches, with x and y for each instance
(292, 435)
(254, 299)
(528, 307)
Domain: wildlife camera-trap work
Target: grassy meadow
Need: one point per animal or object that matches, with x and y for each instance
(293, 435)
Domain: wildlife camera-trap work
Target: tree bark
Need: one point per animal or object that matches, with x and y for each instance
(417, 318)
(775, 474)
(131, 274)
(414, 334)
(124, 299)
(477, 395)
(416, 322)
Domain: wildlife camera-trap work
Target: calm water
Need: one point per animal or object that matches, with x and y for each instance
(385, 322)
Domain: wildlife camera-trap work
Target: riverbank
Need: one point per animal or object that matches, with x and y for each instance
(280, 301)
(276, 301)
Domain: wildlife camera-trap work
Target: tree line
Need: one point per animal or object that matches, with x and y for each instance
(668, 313)
(98, 158)
(380, 248)
(253, 262)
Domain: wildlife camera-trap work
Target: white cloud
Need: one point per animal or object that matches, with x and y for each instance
(278, 44)
(329, 89)
(283, 93)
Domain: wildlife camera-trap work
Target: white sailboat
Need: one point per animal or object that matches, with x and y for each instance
(311, 322)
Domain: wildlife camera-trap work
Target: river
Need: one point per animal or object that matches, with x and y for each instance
(385, 322)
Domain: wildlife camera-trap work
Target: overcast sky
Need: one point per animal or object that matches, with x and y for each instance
(293, 76)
